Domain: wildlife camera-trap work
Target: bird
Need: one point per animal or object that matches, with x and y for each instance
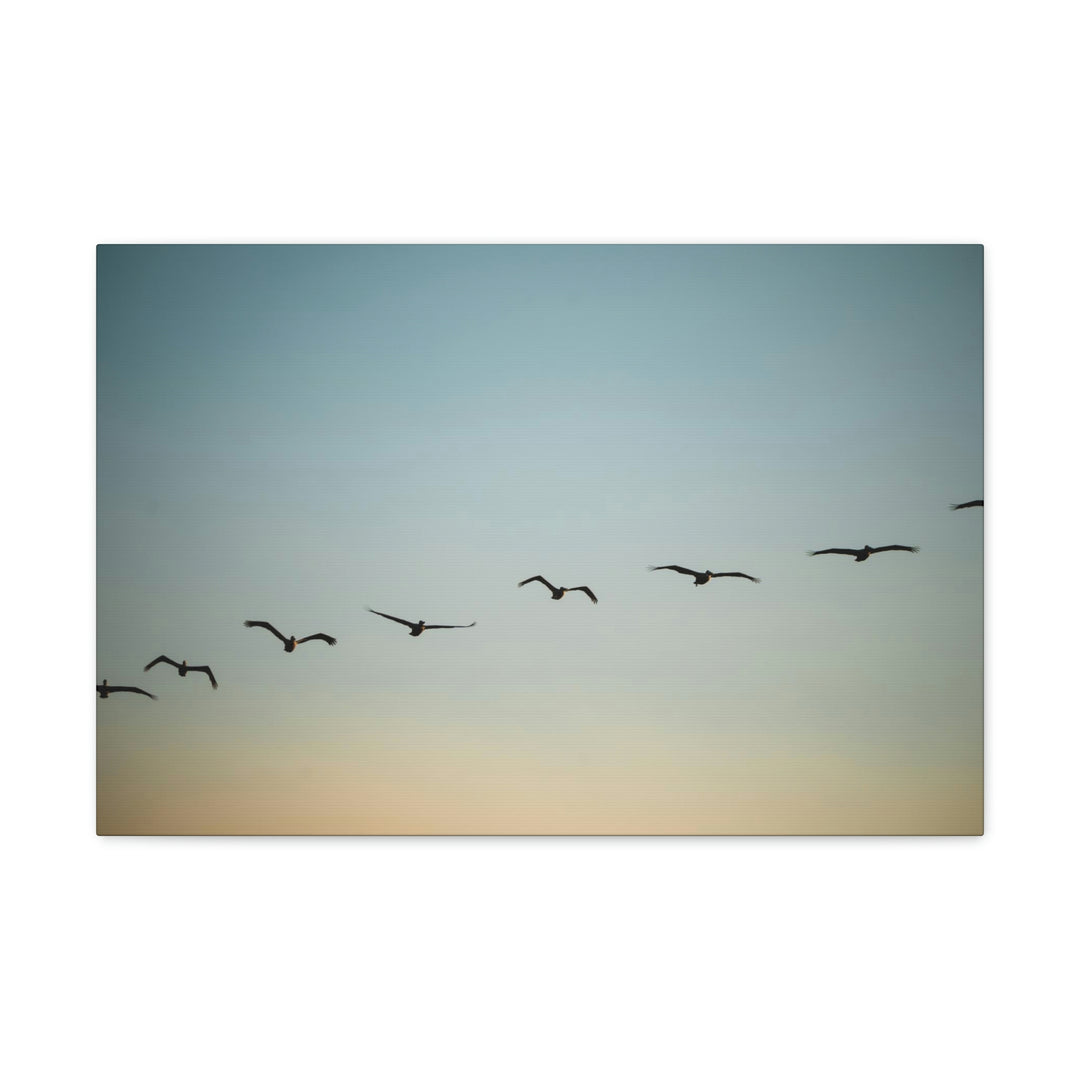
(862, 554)
(104, 690)
(964, 506)
(291, 642)
(703, 577)
(417, 628)
(183, 668)
(558, 594)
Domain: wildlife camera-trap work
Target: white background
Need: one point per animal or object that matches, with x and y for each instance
(837, 958)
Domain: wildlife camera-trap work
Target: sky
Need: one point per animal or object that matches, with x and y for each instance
(295, 433)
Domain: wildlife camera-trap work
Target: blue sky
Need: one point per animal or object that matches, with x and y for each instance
(292, 433)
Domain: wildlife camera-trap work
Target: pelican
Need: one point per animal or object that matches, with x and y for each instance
(703, 577)
(417, 628)
(183, 668)
(558, 594)
(964, 506)
(104, 690)
(862, 554)
(291, 642)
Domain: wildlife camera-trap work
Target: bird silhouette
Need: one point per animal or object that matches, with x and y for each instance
(183, 668)
(703, 577)
(104, 690)
(417, 628)
(291, 642)
(964, 506)
(862, 554)
(558, 594)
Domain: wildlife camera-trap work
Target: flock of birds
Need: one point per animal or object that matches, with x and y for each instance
(701, 577)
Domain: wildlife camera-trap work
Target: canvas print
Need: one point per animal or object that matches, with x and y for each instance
(620, 539)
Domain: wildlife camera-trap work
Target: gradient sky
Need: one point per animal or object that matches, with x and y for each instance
(292, 433)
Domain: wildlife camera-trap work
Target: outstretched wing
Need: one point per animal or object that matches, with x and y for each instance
(736, 573)
(834, 551)
(267, 626)
(205, 668)
(161, 660)
(677, 569)
(317, 637)
(131, 690)
(392, 618)
(441, 626)
(541, 579)
(586, 590)
(964, 506)
(893, 547)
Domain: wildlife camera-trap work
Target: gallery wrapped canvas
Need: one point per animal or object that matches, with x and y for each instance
(540, 539)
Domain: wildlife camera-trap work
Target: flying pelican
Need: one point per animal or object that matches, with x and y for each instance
(558, 594)
(183, 668)
(964, 506)
(862, 554)
(417, 628)
(703, 577)
(291, 642)
(104, 690)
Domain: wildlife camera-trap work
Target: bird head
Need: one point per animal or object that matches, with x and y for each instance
(420, 622)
